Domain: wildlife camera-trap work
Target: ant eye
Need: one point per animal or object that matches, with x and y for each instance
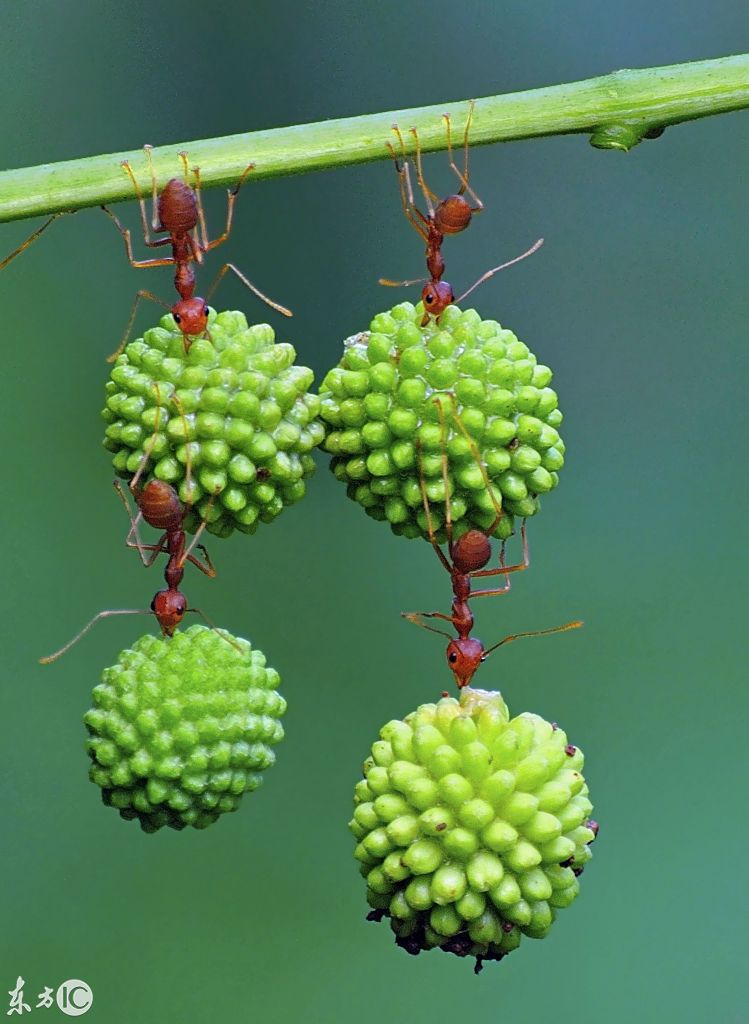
(153, 605)
(205, 311)
(429, 298)
(453, 656)
(177, 318)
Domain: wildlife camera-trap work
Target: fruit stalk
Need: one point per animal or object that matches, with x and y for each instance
(617, 110)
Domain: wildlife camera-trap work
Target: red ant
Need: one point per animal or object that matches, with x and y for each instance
(178, 212)
(447, 216)
(159, 504)
(465, 561)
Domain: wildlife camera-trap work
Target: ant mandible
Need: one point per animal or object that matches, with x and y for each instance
(465, 561)
(178, 212)
(159, 505)
(448, 216)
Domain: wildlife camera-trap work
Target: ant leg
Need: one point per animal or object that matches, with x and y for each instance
(230, 266)
(495, 591)
(155, 219)
(482, 469)
(142, 294)
(152, 244)
(166, 261)
(188, 555)
(428, 513)
(502, 569)
(185, 167)
(463, 176)
(413, 214)
(445, 480)
(518, 567)
(133, 539)
(199, 236)
(207, 566)
(188, 457)
(155, 549)
(31, 239)
(151, 444)
(231, 198)
(429, 196)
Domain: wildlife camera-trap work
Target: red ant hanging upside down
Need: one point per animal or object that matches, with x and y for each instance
(466, 561)
(447, 216)
(178, 212)
(159, 505)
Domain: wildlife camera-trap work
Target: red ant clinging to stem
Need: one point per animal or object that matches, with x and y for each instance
(447, 216)
(159, 504)
(178, 212)
(465, 561)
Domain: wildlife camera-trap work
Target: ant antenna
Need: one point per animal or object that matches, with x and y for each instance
(142, 293)
(503, 266)
(248, 284)
(536, 632)
(101, 615)
(212, 625)
(152, 443)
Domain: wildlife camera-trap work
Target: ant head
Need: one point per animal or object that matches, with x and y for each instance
(160, 505)
(453, 215)
(169, 607)
(471, 551)
(464, 656)
(191, 316)
(436, 296)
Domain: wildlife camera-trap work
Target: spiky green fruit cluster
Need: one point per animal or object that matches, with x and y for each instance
(382, 407)
(472, 828)
(182, 727)
(235, 409)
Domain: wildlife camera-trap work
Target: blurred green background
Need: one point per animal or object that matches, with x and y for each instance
(638, 301)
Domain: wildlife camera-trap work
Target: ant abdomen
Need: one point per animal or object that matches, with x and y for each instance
(178, 209)
(453, 215)
(471, 551)
(160, 505)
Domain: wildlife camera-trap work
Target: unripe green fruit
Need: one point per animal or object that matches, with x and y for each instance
(496, 852)
(182, 727)
(381, 405)
(235, 407)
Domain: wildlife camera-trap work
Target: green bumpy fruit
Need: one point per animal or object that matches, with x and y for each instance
(381, 402)
(182, 727)
(472, 828)
(235, 407)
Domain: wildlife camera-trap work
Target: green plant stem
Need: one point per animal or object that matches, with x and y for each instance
(616, 110)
